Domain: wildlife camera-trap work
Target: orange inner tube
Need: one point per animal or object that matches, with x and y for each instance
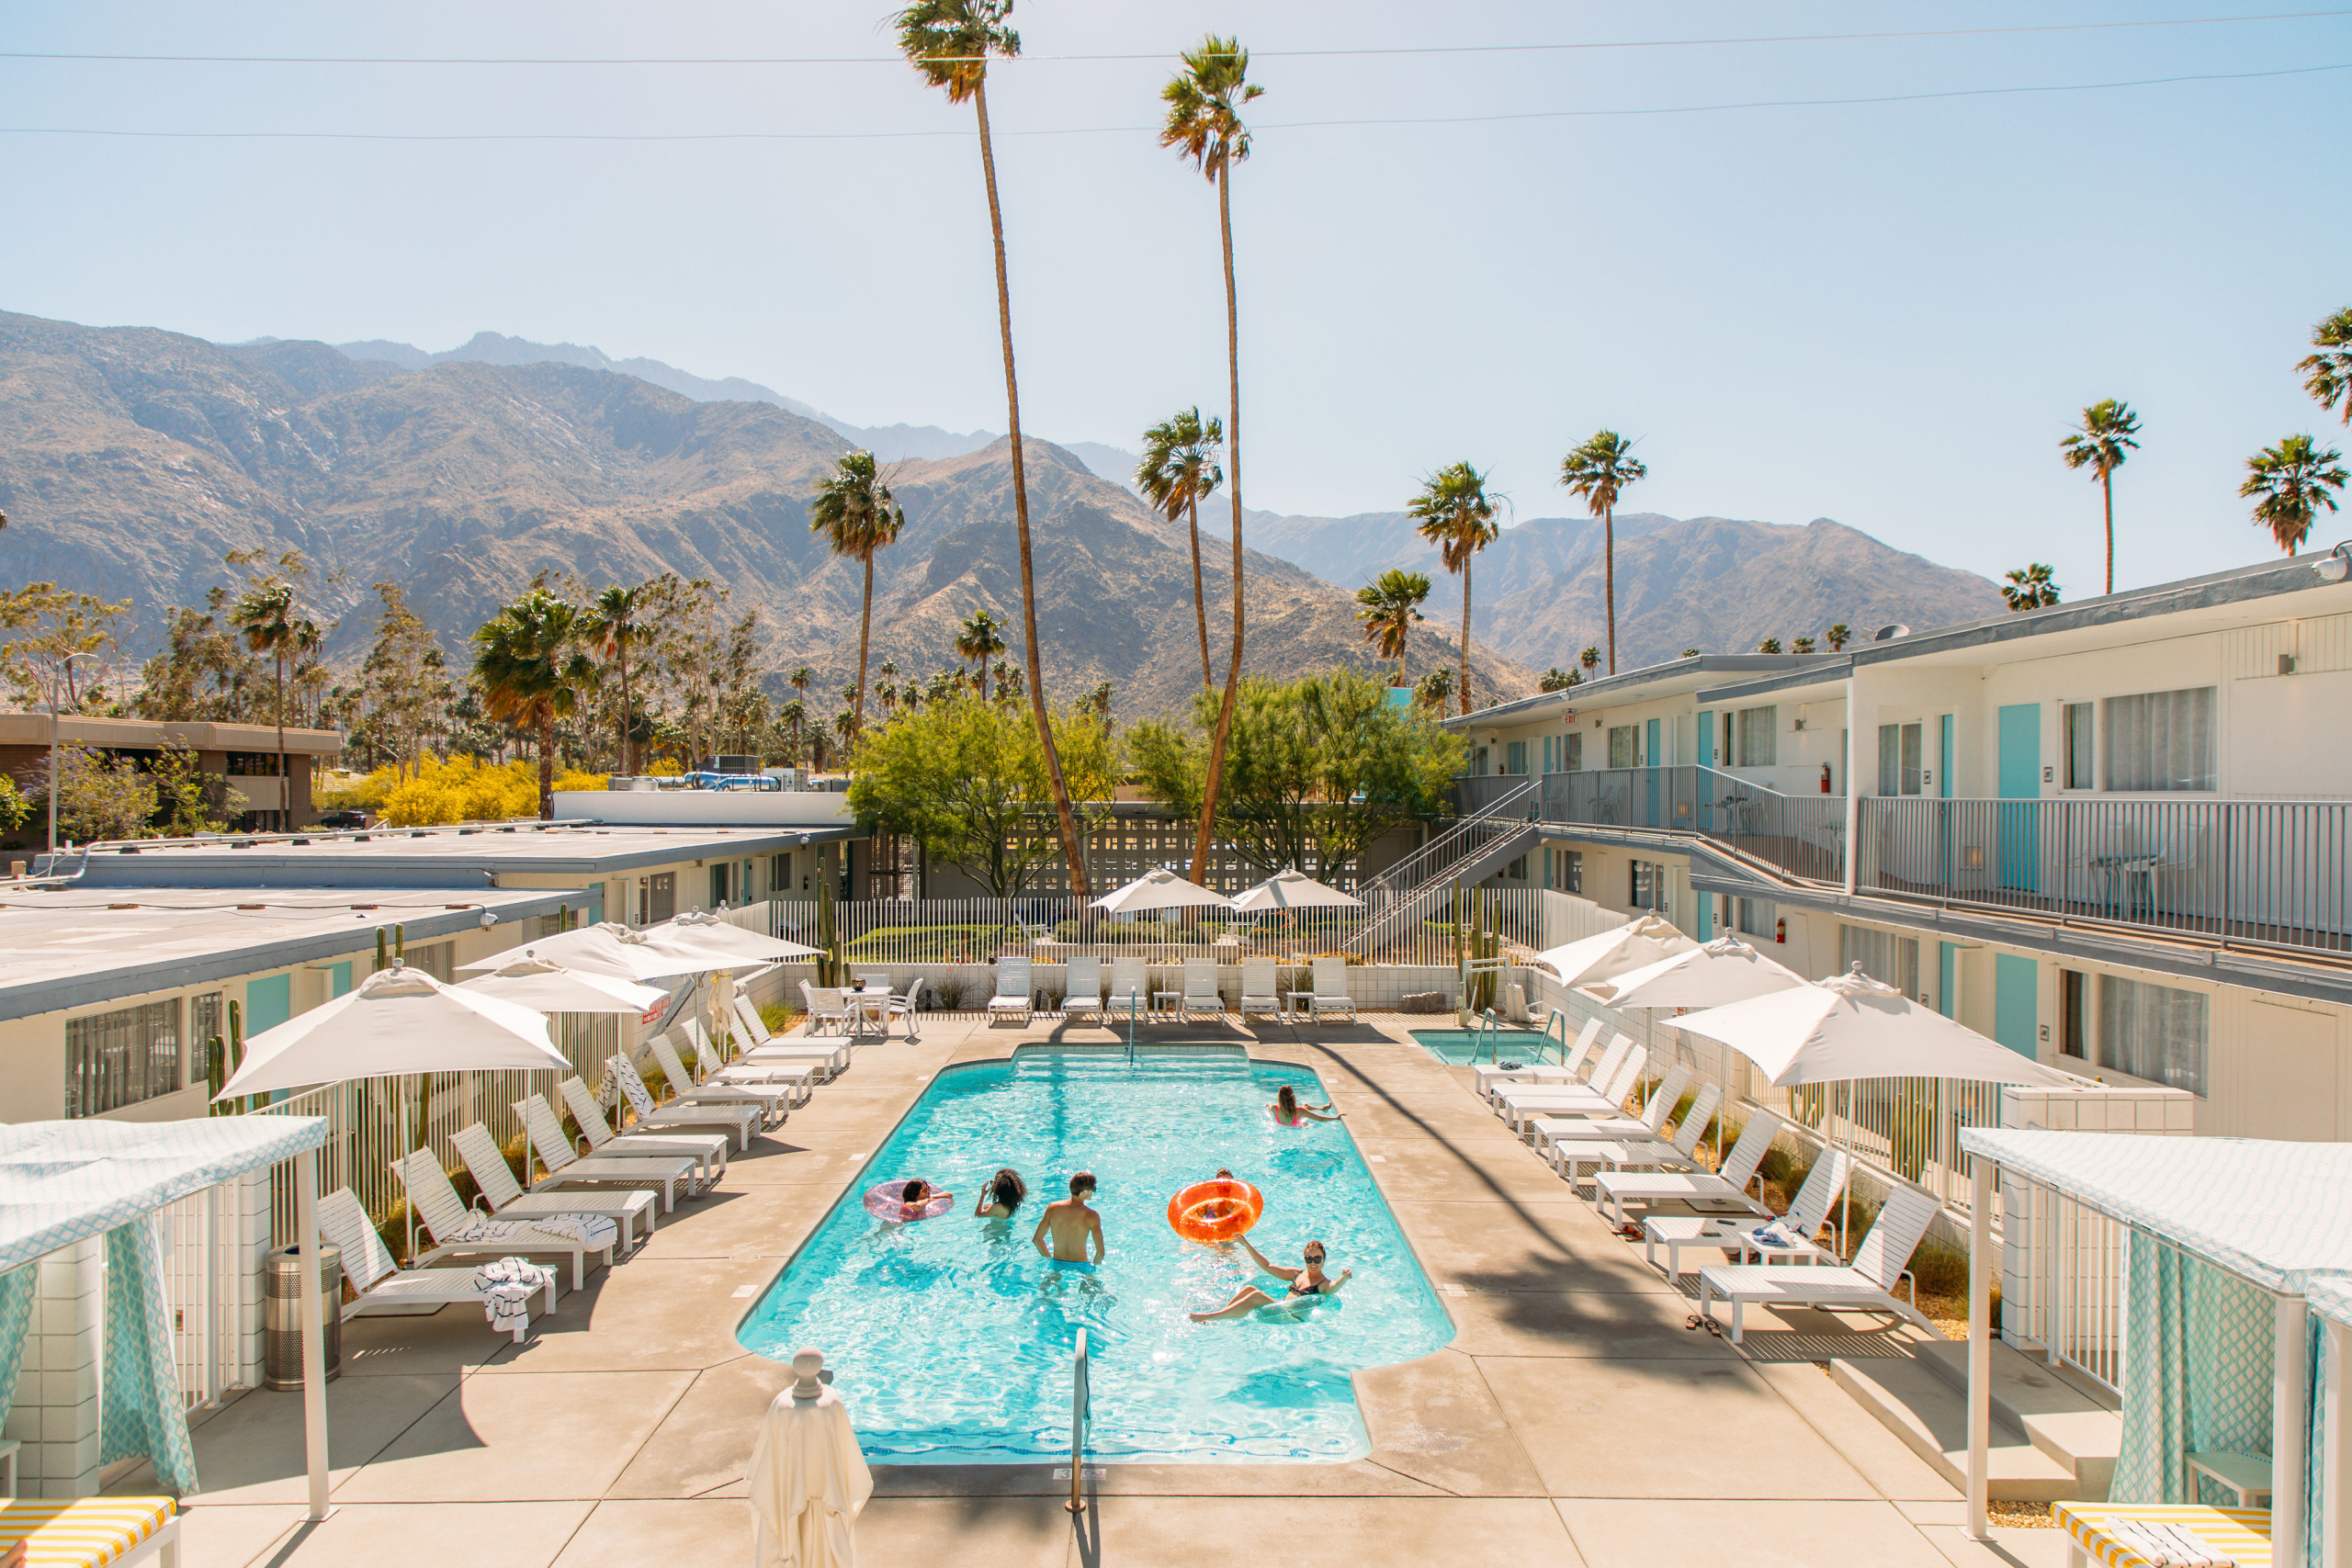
(1216, 1210)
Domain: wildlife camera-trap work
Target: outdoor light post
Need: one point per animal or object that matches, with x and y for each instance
(61, 670)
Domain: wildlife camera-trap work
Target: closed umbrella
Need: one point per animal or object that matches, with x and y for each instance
(1294, 890)
(1160, 890)
(395, 1022)
(808, 1481)
(535, 982)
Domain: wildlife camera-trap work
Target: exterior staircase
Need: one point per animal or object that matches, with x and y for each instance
(2054, 1436)
(1415, 887)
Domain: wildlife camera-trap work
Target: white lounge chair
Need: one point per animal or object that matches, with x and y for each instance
(1571, 1156)
(705, 1069)
(1736, 1239)
(666, 1173)
(1520, 1104)
(1883, 1260)
(708, 1148)
(1130, 988)
(1728, 1183)
(754, 1027)
(1491, 1076)
(368, 1267)
(738, 1121)
(1668, 1090)
(1200, 991)
(775, 1100)
(544, 1128)
(458, 1232)
(1332, 997)
(829, 1055)
(825, 1002)
(1081, 986)
(1012, 991)
(494, 1180)
(1260, 991)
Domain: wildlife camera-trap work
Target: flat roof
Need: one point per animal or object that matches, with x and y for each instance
(429, 857)
(1652, 680)
(77, 946)
(141, 734)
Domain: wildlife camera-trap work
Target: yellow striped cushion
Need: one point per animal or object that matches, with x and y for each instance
(88, 1532)
(2244, 1533)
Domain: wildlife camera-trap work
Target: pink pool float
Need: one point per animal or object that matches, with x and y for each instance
(886, 1200)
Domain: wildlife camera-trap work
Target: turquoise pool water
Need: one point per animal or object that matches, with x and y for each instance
(951, 1339)
(1459, 1046)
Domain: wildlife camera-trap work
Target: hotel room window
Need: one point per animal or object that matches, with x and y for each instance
(1624, 746)
(2162, 740)
(1899, 747)
(114, 1059)
(2075, 721)
(1757, 737)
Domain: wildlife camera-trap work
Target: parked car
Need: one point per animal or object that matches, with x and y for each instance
(343, 819)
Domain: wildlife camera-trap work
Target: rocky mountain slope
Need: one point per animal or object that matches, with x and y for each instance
(132, 459)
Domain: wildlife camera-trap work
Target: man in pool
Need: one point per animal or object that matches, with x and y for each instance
(1071, 1224)
(1304, 1284)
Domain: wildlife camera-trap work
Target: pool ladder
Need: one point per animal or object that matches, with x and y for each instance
(1078, 1404)
(1490, 1031)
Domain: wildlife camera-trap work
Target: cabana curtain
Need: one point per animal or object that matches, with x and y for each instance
(16, 1317)
(141, 1414)
(2197, 1372)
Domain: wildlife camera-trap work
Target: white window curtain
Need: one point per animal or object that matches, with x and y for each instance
(1622, 747)
(114, 1059)
(1886, 957)
(2162, 740)
(1758, 740)
(2152, 1032)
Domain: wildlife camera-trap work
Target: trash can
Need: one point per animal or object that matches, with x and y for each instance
(281, 1322)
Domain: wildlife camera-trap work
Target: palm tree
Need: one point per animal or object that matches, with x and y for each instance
(1558, 680)
(1391, 605)
(949, 42)
(266, 616)
(1434, 688)
(611, 627)
(2031, 588)
(1204, 124)
(2291, 481)
(1178, 472)
(1454, 513)
(855, 513)
(980, 639)
(1599, 471)
(1802, 645)
(1770, 645)
(2101, 444)
(1839, 635)
(793, 719)
(525, 676)
(1590, 657)
(2327, 375)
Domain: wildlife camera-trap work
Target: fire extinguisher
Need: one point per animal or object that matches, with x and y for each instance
(1825, 778)
(1780, 929)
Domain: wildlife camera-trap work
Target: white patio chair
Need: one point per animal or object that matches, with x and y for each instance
(564, 1168)
(494, 1180)
(708, 1148)
(738, 1121)
(1491, 1076)
(458, 1232)
(1130, 988)
(1012, 992)
(1727, 1184)
(1867, 1285)
(1332, 997)
(1731, 1240)
(825, 1002)
(895, 1005)
(1259, 993)
(1200, 991)
(368, 1265)
(1082, 985)
(774, 1100)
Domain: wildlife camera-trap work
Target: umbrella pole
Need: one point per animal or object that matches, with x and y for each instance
(1845, 1197)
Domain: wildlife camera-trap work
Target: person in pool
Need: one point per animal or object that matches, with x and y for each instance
(918, 1192)
(1290, 1112)
(1071, 1224)
(1001, 1196)
(1303, 1283)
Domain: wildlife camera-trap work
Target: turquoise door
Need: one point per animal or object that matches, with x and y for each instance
(1947, 966)
(1706, 737)
(2020, 780)
(268, 1003)
(2016, 1004)
(1649, 751)
(338, 979)
(1704, 793)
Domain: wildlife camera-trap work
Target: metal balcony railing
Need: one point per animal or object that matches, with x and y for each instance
(1801, 836)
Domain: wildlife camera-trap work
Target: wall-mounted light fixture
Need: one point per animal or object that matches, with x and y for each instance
(2336, 565)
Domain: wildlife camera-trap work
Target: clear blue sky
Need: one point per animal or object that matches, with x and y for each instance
(1884, 313)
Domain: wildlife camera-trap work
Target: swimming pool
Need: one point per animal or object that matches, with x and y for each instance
(951, 1339)
(1459, 1046)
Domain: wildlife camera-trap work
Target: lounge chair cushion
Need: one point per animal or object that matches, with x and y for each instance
(87, 1532)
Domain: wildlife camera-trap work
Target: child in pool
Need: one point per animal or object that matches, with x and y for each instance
(1290, 1112)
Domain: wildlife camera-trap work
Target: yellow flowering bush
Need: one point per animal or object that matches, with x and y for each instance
(452, 789)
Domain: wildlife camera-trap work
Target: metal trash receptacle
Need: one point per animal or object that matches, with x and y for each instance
(281, 1321)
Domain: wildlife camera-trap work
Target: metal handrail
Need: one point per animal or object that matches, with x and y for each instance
(1079, 1392)
(1408, 873)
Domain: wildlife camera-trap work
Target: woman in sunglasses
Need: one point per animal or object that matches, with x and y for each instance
(1304, 1284)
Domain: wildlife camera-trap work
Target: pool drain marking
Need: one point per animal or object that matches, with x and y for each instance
(1089, 1472)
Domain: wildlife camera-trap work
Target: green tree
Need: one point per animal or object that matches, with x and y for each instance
(202, 673)
(1390, 604)
(2327, 375)
(48, 638)
(1590, 657)
(17, 808)
(2030, 588)
(402, 681)
(1839, 635)
(613, 624)
(1803, 645)
(2100, 444)
(266, 616)
(188, 800)
(529, 672)
(1318, 769)
(980, 639)
(1454, 513)
(1204, 101)
(1434, 689)
(854, 511)
(2290, 483)
(1689, 653)
(1558, 680)
(1178, 471)
(949, 43)
(1599, 471)
(98, 796)
(1770, 645)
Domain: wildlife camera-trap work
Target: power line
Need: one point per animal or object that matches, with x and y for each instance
(1136, 129)
(1761, 38)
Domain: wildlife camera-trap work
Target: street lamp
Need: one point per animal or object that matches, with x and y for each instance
(62, 670)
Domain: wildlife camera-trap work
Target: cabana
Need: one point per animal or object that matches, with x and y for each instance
(2224, 1232)
(65, 1181)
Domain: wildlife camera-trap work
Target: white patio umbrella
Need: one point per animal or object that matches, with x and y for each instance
(1294, 890)
(1723, 971)
(710, 932)
(535, 982)
(1639, 941)
(394, 1024)
(610, 950)
(1160, 890)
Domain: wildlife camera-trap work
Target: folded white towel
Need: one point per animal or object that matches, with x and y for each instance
(507, 1286)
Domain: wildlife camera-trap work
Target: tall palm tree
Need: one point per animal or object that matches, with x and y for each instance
(854, 511)
(793, 719)
(980, 639)
(2030, 588)
(2290, 482)
(1204, 124)
(1590, 657)
(1178, 472)
(948, 42)
(529, 674)
(1392, 602)
(2100, 444)
(266, 618)
(1454, 513)
(2327, 375)
(1839, 635)
(1599, 471)
(611, 627)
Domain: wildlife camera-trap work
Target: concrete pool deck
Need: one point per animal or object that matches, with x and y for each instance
(1573, 1420)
